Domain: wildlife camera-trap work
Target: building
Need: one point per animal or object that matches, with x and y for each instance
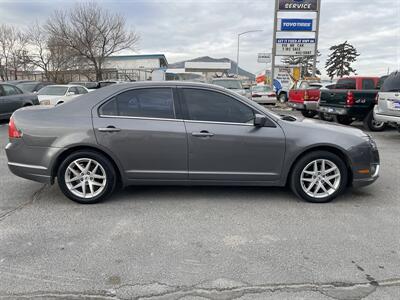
(134, 67)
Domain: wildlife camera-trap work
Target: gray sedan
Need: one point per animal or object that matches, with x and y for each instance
(13, 98)
(175, 133)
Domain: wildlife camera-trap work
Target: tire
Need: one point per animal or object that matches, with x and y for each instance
(372, 125)
(282, 98)
(309, 113)
(300, 180)
(100, 183)
(325, 117)
(344, 120)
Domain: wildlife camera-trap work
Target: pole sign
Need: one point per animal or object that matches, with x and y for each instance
(303, 5)
(296, 25)
(264, 58)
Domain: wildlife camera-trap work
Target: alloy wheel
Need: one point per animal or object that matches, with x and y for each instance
(320, 178)
(85, 178)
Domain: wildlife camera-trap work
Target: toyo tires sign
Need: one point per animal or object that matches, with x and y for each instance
(305, 5)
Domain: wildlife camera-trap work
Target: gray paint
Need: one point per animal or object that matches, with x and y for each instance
(164, 151)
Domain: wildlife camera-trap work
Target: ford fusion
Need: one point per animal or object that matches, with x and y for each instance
(183, 134)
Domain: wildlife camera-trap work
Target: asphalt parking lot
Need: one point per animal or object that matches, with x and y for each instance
(201, 242)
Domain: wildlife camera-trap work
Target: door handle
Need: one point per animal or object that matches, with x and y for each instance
(109, 129)
(202, 134)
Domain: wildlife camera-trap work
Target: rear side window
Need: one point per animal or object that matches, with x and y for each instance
(81, 90)
(146, 103)
(391, 84)
(204, 105)
(346, 84)
(10, 90)
(368, 84)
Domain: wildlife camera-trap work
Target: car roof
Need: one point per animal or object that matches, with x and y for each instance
(224, 78)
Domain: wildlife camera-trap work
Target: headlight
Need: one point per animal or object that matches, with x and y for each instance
(45, 102)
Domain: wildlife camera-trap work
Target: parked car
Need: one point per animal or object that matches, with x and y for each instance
(33, 86)
(57, 94)
(263, 94)
(13, 98)
(232, 84)
(353, 98)
(90, 85)
(305, 97)
(15, 82)
(183, 134)
(387, 108)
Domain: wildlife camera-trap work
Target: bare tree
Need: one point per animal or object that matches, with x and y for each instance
(13, 53)
(92, 33)
(48, 54)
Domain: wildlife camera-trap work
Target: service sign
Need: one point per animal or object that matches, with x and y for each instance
(296, 25)
(295, 47)
(304, 5)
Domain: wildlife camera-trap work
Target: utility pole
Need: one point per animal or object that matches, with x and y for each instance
(238, 45)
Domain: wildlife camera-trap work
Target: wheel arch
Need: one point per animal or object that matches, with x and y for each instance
(61, 156)
(329, 148)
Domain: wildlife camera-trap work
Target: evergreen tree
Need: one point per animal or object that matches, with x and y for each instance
(340, 60)
(305, 62)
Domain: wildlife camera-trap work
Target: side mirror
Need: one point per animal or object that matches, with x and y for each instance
(70, 93)
(259, 120)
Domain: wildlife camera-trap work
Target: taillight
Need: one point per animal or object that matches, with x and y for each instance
(305, 96)
(350, 99)
(377, 98)
(13, 132)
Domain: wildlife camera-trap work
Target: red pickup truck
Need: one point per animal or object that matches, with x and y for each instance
(305, 97)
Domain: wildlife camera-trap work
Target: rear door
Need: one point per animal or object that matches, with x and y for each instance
(12, 99)
(224, 145)
(144, 130)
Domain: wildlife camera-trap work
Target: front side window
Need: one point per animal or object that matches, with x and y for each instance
(81, 90)
(146, 103)
(204, 105)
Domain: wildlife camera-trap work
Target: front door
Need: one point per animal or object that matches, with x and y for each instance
(141, 128)
(224, 144)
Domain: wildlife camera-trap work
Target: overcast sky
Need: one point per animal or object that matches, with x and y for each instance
(183, 29)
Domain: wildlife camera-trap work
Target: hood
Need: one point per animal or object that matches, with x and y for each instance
(313, 125)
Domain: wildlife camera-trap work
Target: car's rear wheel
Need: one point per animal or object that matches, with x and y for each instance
(309, 113)
(373, 125)
(325, 117)
(319, 177)
(86, 177)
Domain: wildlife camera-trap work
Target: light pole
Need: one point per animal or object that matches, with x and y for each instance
(238, 41)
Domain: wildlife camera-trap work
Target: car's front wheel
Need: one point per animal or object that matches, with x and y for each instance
(319, 177)
(86, 177)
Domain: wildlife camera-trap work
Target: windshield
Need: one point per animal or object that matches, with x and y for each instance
(53, 90)
(27, 87)
(229, 84)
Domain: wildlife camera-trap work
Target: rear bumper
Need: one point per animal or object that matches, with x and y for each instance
(31, 172)
(264, 100)
(383, 117)
(306, 105)
(33, 163)
(333, 110)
